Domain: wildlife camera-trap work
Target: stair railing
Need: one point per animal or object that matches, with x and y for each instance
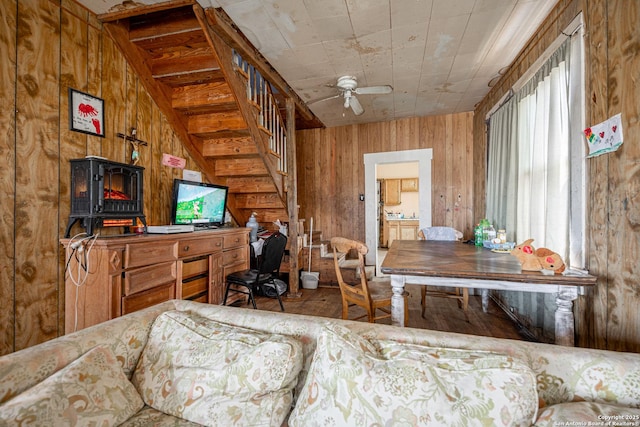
(260, 94)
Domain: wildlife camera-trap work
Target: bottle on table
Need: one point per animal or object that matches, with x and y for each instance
(253, 224)
(484, 225)
(477, 235)
(491, 233)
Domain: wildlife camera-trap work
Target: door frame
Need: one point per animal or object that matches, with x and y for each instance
(423, 157)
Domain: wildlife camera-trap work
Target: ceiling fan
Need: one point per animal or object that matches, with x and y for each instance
(348, 88)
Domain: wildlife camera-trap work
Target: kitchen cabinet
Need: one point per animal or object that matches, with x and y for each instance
(392, 233)
(392, 191)
(129, 273)
(401, 229)
(408, 230)
(409, 184)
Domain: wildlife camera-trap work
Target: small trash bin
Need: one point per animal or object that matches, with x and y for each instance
(310, 279)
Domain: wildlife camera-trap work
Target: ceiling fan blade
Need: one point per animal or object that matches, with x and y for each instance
(369, 90)
(323, 99)
(355, 106)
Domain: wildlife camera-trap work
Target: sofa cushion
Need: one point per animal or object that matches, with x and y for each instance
(148, 416)
(588, 413)
(91, 390)
(216, 374)
(356, 382)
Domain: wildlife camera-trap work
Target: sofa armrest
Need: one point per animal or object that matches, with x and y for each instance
(125, 336)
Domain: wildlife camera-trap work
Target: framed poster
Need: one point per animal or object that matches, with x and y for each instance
(86, 113)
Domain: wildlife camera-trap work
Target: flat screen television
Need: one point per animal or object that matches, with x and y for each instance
(199, 204)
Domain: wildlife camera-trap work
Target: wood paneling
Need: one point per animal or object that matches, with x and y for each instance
(623, 316)
(8, 27)
(331, 170)
(74, 52)
(51, 46)
(607, 316)
(37, 166)
(592, 314)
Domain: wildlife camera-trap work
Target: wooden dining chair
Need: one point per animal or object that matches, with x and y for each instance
(368, 294)
(460, 294)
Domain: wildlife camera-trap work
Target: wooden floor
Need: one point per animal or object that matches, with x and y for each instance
(442, 314)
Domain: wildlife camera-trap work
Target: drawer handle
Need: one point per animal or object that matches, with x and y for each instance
(186, 248)
(237, 239)
(219, 244)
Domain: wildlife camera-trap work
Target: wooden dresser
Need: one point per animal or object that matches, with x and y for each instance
(128, 273)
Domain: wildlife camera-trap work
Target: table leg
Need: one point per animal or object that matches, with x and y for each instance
(564, 316)
(397, 300)
(485, 300)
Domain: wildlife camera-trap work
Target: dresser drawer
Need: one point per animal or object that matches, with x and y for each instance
(195, 247)
(234, 256)
(195, 267)
(235, 240)
(203, 298)
(148, 298)
(139, 254)
(195, 287)
(149, 277)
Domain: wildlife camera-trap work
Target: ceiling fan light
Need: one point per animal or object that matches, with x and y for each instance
(346, 102)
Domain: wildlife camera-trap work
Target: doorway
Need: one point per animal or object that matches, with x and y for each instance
(423, 157)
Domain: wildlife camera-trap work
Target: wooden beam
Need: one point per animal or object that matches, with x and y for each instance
(292, 199)
(238, 87)
(224, 28)
(142, 10)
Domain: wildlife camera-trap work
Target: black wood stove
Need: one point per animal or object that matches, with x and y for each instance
(105, 193)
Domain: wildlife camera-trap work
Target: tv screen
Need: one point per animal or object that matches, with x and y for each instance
(198, 203)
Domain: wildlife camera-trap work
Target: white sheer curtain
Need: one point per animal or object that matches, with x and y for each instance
(528, 183)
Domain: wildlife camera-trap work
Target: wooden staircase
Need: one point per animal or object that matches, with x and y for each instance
(223, 110)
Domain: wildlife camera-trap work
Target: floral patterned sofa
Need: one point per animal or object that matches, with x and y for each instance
(182, 363)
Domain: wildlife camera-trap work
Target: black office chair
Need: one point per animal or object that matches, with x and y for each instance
(268, 270)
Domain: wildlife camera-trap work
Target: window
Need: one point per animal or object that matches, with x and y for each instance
(536, 166)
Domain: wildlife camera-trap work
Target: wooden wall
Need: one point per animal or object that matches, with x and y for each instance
(607, 316)
(331, 170)
(47, 47)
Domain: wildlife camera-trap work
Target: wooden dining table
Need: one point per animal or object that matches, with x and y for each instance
(457, 264)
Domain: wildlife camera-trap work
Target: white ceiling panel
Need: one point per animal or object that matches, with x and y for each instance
(409, 12)
(332, 28)
(370, 20)
(326, 8)
(450, 8)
